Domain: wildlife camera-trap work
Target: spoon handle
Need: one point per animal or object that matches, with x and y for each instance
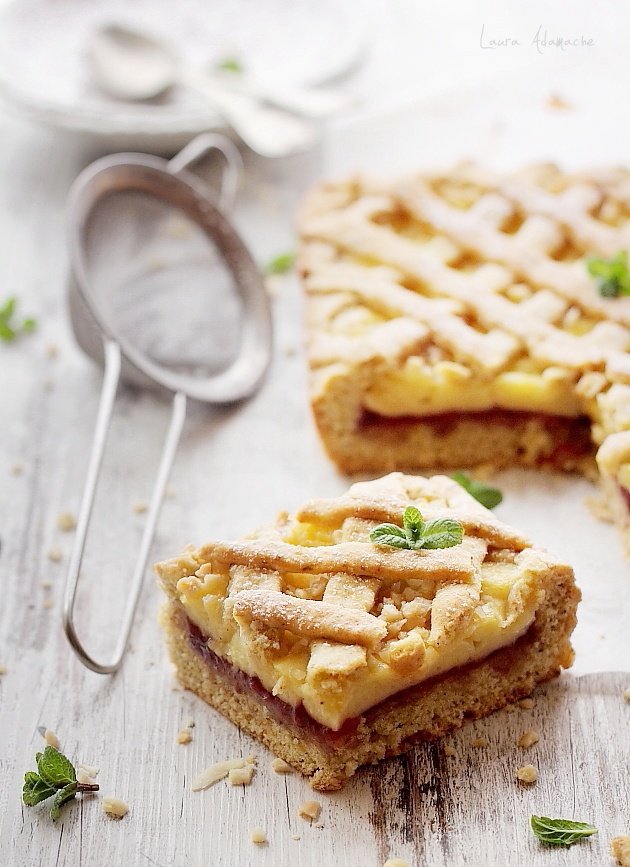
(267, 131)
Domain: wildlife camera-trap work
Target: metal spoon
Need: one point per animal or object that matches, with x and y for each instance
(130, 65)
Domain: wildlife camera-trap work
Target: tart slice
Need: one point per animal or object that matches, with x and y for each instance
(469, 317)
(336, 644)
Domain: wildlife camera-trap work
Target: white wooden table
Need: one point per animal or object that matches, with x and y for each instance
(236, 468)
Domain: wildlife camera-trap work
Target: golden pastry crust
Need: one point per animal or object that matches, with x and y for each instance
(332, 625)
(453, 322)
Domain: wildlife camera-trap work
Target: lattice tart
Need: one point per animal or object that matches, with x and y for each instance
(336, 650)
(458, 319)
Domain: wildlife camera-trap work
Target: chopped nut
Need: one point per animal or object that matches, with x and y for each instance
(55, 555)
(396, 862)
(526, 703)
(620, 848)
(66, 522)
(17, 469)
(241, 776)
(479, 742)
(114, 808)
(527, 774)
(528, 739)
(86, 774)
(449, 750)
(281, 767)
(310, 810)
(184, 736)
(626, 694)
(140, 507)
(258, 836)
(218, 771)
(51, 739)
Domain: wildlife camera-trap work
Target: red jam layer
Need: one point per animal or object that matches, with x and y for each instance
(572, 435)
(294, 717)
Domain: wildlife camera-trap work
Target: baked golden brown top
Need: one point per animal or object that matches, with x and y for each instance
(325, 617)
(470, 290)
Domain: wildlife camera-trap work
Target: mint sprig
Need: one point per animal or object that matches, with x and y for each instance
(612, 275)
(280, 264)
(560, 832)
(55, 778)
(484, 494)
(416, 534)
(9, 327)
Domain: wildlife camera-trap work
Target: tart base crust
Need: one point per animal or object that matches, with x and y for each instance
(496, 438)
(422, 713)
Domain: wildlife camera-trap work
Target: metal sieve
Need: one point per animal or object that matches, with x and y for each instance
(100, 335)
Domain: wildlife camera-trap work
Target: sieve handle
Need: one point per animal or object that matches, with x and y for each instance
(233, 163)
(111, 377)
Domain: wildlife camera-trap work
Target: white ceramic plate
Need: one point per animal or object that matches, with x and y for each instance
(44, 72)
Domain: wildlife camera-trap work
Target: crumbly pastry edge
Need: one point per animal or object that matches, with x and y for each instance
(427, 713)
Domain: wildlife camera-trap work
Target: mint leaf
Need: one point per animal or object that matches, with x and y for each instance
(9, 329)
(484, 494)
(62, 797)
(560, 832)
(389, 534)
(281, 264)
(35, 789)
(415, 535)
(55, 768)
(613, 275)
(230, 64)
(442, 533)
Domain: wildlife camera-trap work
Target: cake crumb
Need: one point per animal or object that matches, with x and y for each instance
(396, 862)
(509, 708)
(140, 507)
(528, 739)
(48, 603)
(479, 742)
(258, 836)
(295, 837)
(114, 808)
(51, 739)
(66, 522)
(527, 774)
(626, 694)
(526, 703)
(620, 849)
(310, 810)
(241, 776)
(55, 555)
(3, 670)
(449, 750)
(17, 469)
(184, 736)
(46, 584)
(281, 767)
(556, 102)
(52, 350)
(169, 493)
